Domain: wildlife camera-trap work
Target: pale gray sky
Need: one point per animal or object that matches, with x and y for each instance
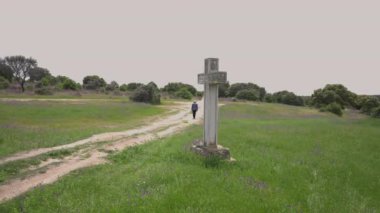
(298, 45)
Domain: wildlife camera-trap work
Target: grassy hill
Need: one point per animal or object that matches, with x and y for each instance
(289, 159)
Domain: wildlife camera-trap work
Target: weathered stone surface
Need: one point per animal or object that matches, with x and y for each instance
(207, 151)
(211, 78)
(210, 133)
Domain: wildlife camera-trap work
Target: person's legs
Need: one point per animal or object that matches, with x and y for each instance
(194, 112)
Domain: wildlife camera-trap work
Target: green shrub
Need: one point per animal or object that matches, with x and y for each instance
(248, 94)
(184, 93)
(38, 73)
(147, 94)
(6, 72)
(152, 85)
(360, 101)
(223, 89)
(333, 93)
(268, 98)
(306, 100)
(69, 84)
(235, 88)
(4, 83)
(93, 82)
(286, 97)
(112, 86)
(133, 86)
(47, 81)
(154, 94)
(140, 95)
(175, 87)
(368, 104)
(44, 91)
(376, 112)
(123, 87)
(333, 108)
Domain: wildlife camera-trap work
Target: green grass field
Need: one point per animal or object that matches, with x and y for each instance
(25, 125)
(289, 159)
(64, 95)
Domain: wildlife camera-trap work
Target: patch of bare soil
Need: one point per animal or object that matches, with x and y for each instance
(94, 153)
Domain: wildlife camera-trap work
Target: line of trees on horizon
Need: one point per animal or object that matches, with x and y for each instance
(24, 74)
(332, 98)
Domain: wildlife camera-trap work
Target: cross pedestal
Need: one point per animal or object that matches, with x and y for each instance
(211, 78)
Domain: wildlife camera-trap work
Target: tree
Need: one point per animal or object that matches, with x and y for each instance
(348, 98)
(21, 67)
(123, 87)
(333, 108)
(184, 93)
(235, 88)
(262, 93)
(334, 93)
(321, 98)
(148, 94)
(61, 82)
(376, 112)
(47, 81)
(6, 71)
(286, 97)
(140, 95)
(4, 83)
(69, 84)
(154, 93)
(223, 90)
(191, 89)
(38, 73)
(306, 100)
(369, 104)
(93, 82)
(292, 99)
(174, 87)
(248, 94)
(153, 85)
(268, 98)
(112, 86)
(61, 79)
(133, 86)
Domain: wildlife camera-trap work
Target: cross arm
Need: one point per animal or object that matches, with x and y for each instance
(212, 78)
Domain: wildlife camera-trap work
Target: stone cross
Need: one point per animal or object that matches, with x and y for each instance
(211, 78)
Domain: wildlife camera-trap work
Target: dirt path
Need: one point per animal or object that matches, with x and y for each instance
(94, 153)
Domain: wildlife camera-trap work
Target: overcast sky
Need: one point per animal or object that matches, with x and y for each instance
(297, 45)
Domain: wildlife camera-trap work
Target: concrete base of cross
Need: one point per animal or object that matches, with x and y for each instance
(207, 151)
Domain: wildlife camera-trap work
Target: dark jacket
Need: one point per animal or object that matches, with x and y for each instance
(194, 107)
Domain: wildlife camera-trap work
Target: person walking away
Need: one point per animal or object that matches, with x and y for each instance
(194, 109)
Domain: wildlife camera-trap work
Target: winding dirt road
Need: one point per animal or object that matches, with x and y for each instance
(94, 153)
